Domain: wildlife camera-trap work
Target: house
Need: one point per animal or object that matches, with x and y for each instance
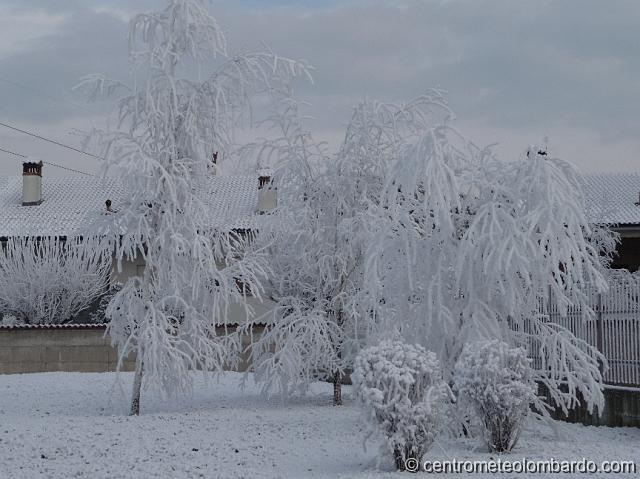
(31, 206)
(614, 199)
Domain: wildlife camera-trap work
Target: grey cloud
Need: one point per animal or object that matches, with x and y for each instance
(552, 66)
(41, 78)
(510, 63)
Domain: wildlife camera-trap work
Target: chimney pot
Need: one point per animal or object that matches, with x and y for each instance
(263, 180)
(31, 183)
(267, 193)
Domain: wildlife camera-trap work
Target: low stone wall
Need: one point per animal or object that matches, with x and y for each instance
(78, 348)
(621, 408)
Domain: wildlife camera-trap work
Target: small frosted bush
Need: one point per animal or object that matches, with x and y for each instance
(495, 380)
(9, 320)
(403, 393)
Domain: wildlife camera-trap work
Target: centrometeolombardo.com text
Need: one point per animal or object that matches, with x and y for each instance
(518, 466)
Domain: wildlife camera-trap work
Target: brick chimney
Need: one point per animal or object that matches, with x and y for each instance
(31, 183)
(267, 193)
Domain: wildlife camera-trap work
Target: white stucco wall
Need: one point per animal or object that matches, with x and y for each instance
(127, 269)
(237, 312)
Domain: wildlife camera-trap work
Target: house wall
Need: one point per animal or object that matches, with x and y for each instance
(128, 268)
(628, 253)
(238, 312)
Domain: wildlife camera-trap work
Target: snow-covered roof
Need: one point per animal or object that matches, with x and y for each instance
(611, 198)
(232, 201)
(70, 205)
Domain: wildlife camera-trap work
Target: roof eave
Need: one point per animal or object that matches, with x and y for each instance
(627, 230)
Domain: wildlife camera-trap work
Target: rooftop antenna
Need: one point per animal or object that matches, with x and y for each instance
(213, 167)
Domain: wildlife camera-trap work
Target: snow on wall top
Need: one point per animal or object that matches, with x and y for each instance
(14, 327)
(71, 205)
(611, 198)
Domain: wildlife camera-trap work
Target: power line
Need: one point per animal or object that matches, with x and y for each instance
(48, 163)
(50, 141)
(13, 153)
(67, 168)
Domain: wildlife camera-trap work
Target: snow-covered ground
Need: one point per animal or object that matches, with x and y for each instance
(63, 425)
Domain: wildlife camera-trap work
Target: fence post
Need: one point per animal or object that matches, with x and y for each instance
(599, 332)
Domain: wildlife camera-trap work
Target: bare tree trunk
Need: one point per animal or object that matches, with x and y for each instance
(407, 458)
(337, 389)
(337, 377)
(137, 386)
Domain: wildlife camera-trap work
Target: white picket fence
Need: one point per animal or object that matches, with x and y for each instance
(614, 328)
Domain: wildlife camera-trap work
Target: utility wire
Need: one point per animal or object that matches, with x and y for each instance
(47, 162)
(29, 88)
(13, 153)
(67, 168)
(50, 141)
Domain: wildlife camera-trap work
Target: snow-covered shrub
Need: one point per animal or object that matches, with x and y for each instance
(404, 395)
(9, 320)
(51, 280)
(496, 381)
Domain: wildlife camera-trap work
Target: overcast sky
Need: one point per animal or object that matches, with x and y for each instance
(515, 71)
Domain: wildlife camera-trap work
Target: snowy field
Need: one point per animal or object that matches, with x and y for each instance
(67, 425)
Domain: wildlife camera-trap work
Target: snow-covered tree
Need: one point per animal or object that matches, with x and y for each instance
(496, 380)
(303, 335)
(169, 126)
(530, 236)
(317, 255)
(412, 228)
(404, 395)
(324, 314)
(464, 246)
(51, 280)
